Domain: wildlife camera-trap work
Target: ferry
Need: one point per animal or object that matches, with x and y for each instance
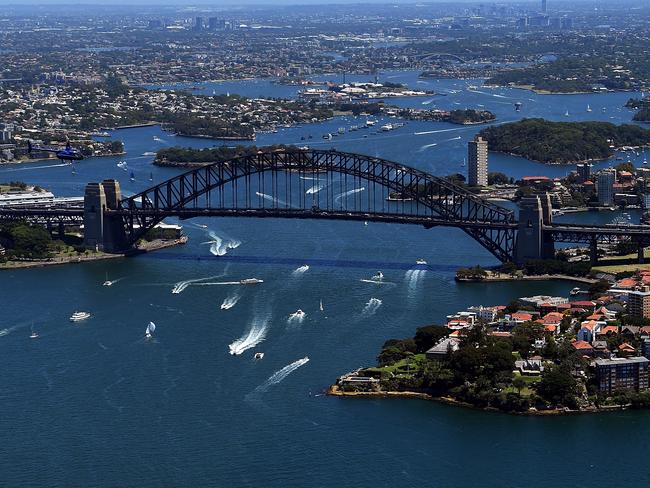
(79, 316)
(250, 281)
(258, 356)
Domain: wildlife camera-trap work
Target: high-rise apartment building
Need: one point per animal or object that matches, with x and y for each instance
(477, 162)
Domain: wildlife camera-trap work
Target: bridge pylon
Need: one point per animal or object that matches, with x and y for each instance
(532, 243)
(103, 231)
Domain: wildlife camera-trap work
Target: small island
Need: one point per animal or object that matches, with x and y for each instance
(187, 157)
(458, 116)
(563, 142)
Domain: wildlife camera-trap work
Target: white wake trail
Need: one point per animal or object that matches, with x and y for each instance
(300, 270)
(271, 198)
(220, 246)
(230, 301)
(372, 306)
(182, 285)
(280, 375)
(348, 193)
(255, 334)
(315, 189)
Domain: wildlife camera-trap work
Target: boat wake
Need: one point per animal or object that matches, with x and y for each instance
(300, 270)
(220, 246)
(348, 193)
(271, 198)
(255, 334)
(315, 189)
(413, 277)
(280, 375)
(376, 282)
(427, 146)
(296, 318)
(372, 306)
(182, 285)
(230, 302)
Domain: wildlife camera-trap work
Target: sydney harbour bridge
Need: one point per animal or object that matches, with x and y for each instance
(324, 184)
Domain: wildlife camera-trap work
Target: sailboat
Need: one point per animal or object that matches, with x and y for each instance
(566, 114)
(34, 334)
(464, 162)
(321, 306)
(588, 108)
(150, 176)
(107, 282)
(148, 333)
(132, 176)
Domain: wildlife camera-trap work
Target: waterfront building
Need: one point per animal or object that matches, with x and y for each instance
(584, 171)
(622, 374)
(477, 162)
(638, 304)
(439, 351)
(605, 187)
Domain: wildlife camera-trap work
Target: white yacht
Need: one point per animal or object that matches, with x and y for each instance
(156, 138)
(370, 123)
(421, 262)
(33, 335)
(107, 282)
(258, 356)
(250, 281)
(378, 276)
(298, 314)
(386, 127)
(79, 316)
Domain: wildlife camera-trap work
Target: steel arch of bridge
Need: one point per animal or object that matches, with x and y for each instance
(432, 201)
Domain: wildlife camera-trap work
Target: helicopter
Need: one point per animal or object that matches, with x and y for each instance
(67, 154)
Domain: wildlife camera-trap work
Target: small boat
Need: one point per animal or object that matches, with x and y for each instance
(464, 162)
(341, 130)
(157, 139)
(298, 314)
(148, 333)
(386, 127)
(107, 282)
(574, 291)
(604, 109)
(327, 136)
(148, 153)
(518, 106)
(365, 223)
(378, 276)
(33, 335)
(150, 176)
(566, 114)
(122, 165)
(258, 356)
(132, 176)
(588, 108)
(370, 123)
(321, 305)
(79, 316)
(251, 281)
(421, 262)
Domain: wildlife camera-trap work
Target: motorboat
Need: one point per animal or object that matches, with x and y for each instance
(132, 176)
(327, 136)
(148, 333)
(251, 281)
(122, 165)
(298, 314)
(341, 130)
(370, 123)
(574, 291)
(588, 108)
(79, 316)
(378, 276)
(157, 139)
(421, 262)
(107, 282)
(386, 127)
(321, 306)
(258, 356)
(33, 335)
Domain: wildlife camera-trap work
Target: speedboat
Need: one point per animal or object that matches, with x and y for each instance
(258, 356)
(421, 262)
(386, 127)
(156, 138)
(107, 282)
(298, 314)
(79, 316)
(378, 276)
(33, 335)
(250, 281)
(574, 291)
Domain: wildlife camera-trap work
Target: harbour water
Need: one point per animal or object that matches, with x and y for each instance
(95, 404)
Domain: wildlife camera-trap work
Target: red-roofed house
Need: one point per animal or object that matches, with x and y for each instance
(521, 317)
(586, 304)
(583, 348)
(626, 349)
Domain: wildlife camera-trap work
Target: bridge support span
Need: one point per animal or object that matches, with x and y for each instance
(103, 231)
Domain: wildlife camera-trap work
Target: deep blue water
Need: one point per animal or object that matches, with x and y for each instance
(96, 405)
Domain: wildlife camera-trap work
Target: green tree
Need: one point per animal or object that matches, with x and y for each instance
(519, 384)
(558, 386)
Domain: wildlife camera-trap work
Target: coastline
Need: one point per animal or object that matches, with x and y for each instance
(40, 160)
(506, 277)
(334, 390)
(57, 261)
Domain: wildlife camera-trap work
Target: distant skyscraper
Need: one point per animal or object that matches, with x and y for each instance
(477, 162)
(199, 24)
(543, 6)
(605, 187)
(584, 171)
(215, 23)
